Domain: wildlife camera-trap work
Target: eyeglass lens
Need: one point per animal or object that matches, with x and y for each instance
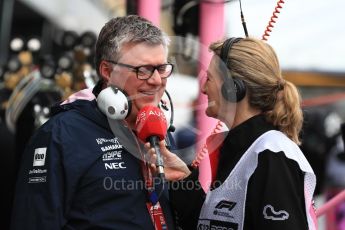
(147, 71)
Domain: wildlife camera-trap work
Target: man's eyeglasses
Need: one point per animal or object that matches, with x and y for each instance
(144, 72)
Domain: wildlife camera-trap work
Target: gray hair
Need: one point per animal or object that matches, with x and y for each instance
(122, 30)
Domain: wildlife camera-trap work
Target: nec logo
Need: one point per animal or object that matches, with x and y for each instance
(115, 165)
(226, 204)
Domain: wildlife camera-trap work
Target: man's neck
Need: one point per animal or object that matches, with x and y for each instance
(130, 121)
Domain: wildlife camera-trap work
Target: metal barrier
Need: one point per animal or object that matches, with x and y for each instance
(331, 204)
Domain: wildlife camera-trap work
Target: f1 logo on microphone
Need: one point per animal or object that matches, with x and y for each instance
(40, 156)
(226, 204)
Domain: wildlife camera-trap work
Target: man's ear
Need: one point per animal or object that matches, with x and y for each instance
(105, 70)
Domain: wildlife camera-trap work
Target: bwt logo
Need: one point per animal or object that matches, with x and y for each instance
(40, 156)
(226, 204)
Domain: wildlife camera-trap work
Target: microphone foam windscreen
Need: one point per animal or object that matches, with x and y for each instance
(151, 121)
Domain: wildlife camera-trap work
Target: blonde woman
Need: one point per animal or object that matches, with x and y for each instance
(261, 178)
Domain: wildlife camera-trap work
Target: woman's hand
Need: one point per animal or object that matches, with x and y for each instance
(174, 168)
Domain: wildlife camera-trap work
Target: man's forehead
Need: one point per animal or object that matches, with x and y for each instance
(141, 52)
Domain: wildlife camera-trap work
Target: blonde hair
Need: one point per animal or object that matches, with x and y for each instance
(256, 63)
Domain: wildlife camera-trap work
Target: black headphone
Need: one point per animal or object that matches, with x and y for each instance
(233, 89)
(116, 105)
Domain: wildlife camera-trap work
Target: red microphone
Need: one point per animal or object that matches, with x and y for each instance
(151, 125)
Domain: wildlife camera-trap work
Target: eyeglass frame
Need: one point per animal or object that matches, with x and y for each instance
(135, 69)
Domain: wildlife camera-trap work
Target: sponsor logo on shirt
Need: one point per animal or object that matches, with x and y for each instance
(224, 207)
(115, 165)
(101, 141)
(111, 147)
(38, 175)
(226, 204)
(39, 157)
(271, 214)
(113, 155)
(38, 179)
(216, 225)
(37, 171)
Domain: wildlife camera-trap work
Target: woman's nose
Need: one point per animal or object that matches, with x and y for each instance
(203, 87)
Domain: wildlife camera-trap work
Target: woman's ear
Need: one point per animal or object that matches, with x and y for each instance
(105, 69)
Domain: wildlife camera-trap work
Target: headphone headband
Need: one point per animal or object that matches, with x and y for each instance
(227, 44)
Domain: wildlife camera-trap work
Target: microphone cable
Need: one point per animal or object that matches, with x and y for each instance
(243, 21)
(273, 19)
(171, 122)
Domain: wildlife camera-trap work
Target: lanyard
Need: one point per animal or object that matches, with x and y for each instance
(153, 205)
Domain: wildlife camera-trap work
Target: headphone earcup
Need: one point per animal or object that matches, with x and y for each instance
(240, 89)
(233, 91)
(113, 102)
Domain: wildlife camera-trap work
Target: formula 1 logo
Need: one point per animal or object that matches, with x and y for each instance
(226, 204)
(223, 208)
(40, 156)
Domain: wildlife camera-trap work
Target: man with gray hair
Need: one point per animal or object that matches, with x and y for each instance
(85, 168)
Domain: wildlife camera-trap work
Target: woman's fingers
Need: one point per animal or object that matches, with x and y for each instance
(147, 145)
(153, 168)
(162, 144)
(151, 156)
(175, 168)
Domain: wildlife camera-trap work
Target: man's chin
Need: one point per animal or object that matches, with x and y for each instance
(148, 103)
(149, 100)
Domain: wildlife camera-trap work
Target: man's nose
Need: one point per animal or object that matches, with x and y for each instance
(155, 79)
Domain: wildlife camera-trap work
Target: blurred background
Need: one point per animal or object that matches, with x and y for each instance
(47, 48)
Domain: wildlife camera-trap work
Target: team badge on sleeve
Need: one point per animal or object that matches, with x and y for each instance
(40, 156)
